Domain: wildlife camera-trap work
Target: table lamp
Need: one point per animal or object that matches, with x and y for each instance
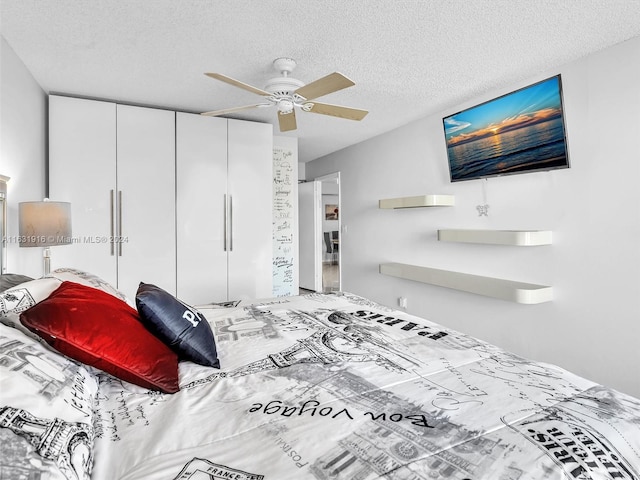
(45, 224)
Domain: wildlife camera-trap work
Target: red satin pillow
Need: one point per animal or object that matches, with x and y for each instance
(100, 330)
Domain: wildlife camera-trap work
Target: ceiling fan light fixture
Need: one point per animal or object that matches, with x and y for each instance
(285, 106)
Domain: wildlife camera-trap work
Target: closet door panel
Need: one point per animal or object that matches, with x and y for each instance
(82, 170)
(201, 182)
(250, 187)
(146, 198)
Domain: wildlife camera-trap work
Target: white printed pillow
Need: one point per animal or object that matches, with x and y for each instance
(46, 411)
(27, 294)
(89, 280)
(24, 296)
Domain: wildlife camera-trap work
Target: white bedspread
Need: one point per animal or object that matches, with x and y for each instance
(337, 387)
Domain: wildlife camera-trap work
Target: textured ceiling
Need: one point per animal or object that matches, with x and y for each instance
(408, 58)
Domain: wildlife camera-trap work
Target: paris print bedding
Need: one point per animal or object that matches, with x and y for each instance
(316, 387)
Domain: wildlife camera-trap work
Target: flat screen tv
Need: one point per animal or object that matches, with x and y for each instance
(520, 132)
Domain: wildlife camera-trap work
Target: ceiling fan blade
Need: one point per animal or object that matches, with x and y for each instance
(335, 110)
(238, 83)
(323, 86)
(215, 113)
(287, 121)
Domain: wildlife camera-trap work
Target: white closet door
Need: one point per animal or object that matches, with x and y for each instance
(201, 182)
(82, 170)
(146, 198)
(250, 185)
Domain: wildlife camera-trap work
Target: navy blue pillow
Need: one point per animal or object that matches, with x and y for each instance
(181, 327)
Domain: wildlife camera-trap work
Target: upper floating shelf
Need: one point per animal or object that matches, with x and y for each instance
(418, 201)
(497, 237)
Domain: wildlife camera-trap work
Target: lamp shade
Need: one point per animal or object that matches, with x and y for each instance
(44, 224)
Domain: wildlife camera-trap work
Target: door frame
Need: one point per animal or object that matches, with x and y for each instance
(335, 176)
(3, 223)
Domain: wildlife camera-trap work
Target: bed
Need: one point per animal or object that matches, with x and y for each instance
(318, 386)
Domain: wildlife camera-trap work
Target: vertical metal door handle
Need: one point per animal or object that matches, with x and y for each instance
(225, 221)
(230, 223)
(119, 223)
(112, 224)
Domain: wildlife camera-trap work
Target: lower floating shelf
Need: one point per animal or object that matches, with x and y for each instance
(519, 292)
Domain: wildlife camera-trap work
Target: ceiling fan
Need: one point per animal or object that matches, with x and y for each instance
(288, 93)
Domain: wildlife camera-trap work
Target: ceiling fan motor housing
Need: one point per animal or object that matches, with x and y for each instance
(284, 85)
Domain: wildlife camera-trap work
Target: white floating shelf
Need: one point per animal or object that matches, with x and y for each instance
(419, 201)
(519, 292)
(497, 237)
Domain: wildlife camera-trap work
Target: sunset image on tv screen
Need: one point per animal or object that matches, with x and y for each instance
(519, 132)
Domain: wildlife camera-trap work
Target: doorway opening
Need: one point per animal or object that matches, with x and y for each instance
(320, 234)
(331, 232)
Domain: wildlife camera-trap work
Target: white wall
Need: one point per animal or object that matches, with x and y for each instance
(593, 325)
(23, 117)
